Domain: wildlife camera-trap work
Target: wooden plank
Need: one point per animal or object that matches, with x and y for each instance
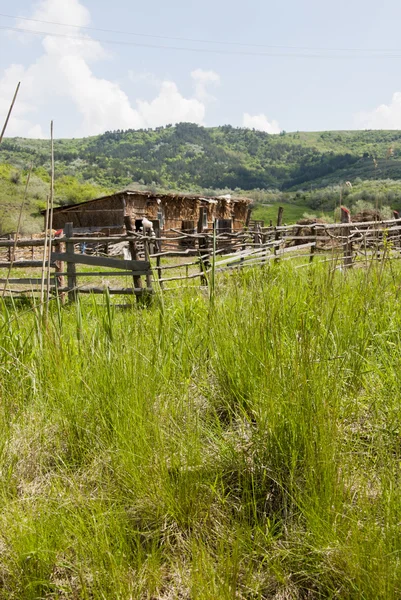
(100, 261)
(86, 210)
(24, 264)
(102, 290)
(378, 225)
(23, 243)
(27, 281)
(106, 274)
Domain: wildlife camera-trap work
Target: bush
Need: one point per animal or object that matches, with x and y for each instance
(15, 177)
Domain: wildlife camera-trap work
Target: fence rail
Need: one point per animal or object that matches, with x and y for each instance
(174, 256)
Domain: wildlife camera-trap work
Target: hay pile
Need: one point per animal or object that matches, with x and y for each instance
(366, 215)
(307, 232)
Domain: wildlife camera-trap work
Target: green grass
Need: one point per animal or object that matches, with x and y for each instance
(292, 212)
(241, 446)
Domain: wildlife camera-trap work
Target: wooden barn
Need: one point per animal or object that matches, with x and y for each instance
(169, 211)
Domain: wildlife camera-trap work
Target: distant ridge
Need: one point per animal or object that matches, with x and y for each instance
(191, 157)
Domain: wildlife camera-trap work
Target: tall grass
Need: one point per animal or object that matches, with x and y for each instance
(245, 445)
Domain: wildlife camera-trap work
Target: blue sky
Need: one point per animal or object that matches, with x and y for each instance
(293, 65)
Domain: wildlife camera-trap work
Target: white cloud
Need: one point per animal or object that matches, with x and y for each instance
(385, 116)
(170, 107)
(59, 11)
(203, 79)
(64, 70)
(102, 103)
(20, 123)
(145, 77)
(260, 122)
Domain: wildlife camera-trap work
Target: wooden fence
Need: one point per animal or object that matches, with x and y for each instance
(149, 259)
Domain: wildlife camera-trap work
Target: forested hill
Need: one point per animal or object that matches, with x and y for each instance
(188, 156)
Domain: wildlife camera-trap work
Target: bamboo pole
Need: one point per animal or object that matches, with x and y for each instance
(51, 214)
(45, 248)
(9, 113)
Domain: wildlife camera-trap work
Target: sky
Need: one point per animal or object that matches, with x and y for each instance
(295, 65)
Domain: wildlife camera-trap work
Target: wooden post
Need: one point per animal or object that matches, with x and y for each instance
(312, 253)
(257, 237)
(264, 242)
(157, 243)
(147, 257)
(280, 216)
(59, 268)
(396, 235)
(10, 253)
(158, 247)
(242, 249)
(69, 248)
(200, 220)
(202, 246)
(133, 250)
(347, 245)
(248, 217)
(277, 234)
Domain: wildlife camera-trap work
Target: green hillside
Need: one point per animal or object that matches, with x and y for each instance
(302, 168)
(224, 157)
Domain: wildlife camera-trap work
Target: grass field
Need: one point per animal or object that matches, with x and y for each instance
(242, 444)
(292, 212)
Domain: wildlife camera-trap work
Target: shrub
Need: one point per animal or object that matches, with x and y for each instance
(15, 177)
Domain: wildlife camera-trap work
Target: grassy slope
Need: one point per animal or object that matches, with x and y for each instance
(246, 447)
(292, 212)
(12, 189)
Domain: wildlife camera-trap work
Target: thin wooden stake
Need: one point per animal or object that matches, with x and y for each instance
(9, 113)
(42, 285)
(51, 215)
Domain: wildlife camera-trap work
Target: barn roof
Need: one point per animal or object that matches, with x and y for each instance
(165, 196)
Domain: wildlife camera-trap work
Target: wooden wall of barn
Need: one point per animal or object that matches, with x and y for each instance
(179, 209)
(108, 213)
(105, 213)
